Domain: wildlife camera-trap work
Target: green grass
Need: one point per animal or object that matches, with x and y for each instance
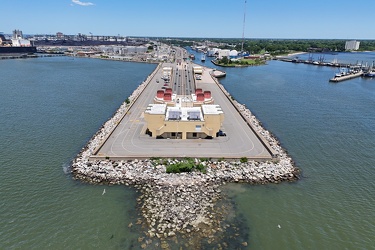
(185, 166)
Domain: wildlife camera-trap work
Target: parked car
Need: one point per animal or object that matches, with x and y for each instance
(221, 133)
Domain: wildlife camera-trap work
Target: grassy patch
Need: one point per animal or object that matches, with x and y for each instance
(186, 165)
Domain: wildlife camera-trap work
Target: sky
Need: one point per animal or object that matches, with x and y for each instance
(290, 19)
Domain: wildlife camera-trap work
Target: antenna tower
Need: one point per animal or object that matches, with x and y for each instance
(243, 29)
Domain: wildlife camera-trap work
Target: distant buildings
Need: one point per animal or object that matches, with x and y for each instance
(352, 45)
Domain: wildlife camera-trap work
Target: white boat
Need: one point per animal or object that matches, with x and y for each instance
(203, 58)
(343, 72)
(371, 73)
(218, 73)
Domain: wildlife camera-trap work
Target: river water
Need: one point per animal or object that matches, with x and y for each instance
(50, 107)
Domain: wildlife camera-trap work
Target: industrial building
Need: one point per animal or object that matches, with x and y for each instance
(183, 117)
(352, 45)
(224, 53)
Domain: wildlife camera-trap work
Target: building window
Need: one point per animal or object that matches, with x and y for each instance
(194, 134)
(173, 134)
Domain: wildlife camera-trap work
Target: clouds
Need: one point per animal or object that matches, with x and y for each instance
(82, 3)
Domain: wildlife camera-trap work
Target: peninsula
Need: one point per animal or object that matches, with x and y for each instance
(176, 205)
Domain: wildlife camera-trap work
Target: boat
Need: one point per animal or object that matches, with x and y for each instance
(346, 74)
(370, 73)
(16, 45)
(343, 72)
(218, 73)
(203, 58)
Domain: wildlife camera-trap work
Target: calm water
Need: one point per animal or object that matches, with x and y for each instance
(50, 107)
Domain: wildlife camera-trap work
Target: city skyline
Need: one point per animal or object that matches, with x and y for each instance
(212, 19)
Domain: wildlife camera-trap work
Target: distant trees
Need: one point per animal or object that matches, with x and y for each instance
(276, 46)
(284, 46)
(367, 45)
(224, 60)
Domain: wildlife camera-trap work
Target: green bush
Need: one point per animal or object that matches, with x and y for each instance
(243, 159)
(185, 166)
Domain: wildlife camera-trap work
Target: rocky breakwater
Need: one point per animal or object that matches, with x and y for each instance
(182, 204)
(270, 141)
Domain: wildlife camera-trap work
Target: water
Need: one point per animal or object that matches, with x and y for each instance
(329, 129)
(50, 107)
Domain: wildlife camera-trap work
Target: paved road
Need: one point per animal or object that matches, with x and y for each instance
(130, 141)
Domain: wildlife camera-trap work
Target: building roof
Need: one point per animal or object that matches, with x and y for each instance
(156, 109)
(184, 114)
(212, 109)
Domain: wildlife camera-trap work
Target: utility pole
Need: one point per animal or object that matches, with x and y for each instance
(243, 30)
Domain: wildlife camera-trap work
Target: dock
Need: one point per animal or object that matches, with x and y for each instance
(25, 56)
(347, 71)
(346, 76)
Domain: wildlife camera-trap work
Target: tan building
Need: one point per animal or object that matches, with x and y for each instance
(180, 122)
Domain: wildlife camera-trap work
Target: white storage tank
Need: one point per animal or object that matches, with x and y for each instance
(233, 53)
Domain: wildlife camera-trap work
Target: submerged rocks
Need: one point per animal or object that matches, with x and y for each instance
(181, 203)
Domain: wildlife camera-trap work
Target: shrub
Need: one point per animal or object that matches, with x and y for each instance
(185, 166)
(243, 159)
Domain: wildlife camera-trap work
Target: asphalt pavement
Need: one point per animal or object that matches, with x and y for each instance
(129, 140)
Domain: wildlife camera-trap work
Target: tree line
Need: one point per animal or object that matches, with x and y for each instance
(276, 46)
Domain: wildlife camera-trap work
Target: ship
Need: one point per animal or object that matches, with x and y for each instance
(203, 58)
(16, 45)
(370, 73)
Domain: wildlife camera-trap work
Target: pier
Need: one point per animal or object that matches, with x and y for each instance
(346, 76)
(347, 71)
(25, 56)
(128, 140)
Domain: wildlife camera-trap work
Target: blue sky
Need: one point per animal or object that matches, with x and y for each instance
(320, 19)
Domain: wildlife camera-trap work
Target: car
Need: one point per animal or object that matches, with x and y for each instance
(221, 133)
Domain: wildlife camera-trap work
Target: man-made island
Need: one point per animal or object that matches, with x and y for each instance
(179, 178)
